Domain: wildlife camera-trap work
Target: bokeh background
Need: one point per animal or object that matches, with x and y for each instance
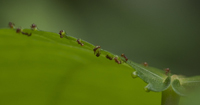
(163, 33)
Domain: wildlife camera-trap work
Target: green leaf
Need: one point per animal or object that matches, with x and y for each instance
(183, 86)
(42, 68)
(170, 97)
(191, 99)
(45, 69)
(156, 79)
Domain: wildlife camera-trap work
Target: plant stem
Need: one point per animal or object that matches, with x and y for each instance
(169, 97)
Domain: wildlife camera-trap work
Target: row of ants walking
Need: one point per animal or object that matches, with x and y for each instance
(96, 49)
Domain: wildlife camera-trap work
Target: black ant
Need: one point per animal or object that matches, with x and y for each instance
(78, 40)
(107, 56)
(27, 34)
(98, 54)
(123, 55)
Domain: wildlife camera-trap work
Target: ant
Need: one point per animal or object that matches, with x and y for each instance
(78, 40)
(107, 56)
(34, 27)
(18, 30)
(167, 71)
(123, 55)
(27, 34)
(96, 48)
(98, 54)
(11, 25)
(62, 32)
(145, 64)
(116, 60)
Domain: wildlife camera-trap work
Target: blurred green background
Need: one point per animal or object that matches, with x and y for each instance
(162, 33)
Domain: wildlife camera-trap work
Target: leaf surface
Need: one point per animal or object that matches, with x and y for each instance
(156, 79)
(44, 69)
(184, 85)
